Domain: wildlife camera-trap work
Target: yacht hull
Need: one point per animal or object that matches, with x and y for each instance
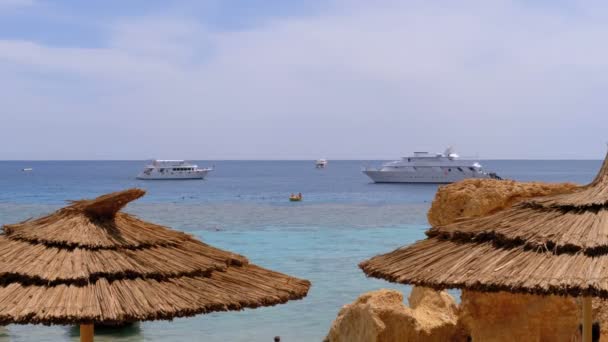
(177, 175)
(379, 176)
(424, 167)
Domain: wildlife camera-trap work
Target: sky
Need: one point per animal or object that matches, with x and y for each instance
(302, 79)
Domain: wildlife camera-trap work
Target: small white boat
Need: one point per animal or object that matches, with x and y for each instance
(321, 163)
(173, 169)
(424, 167)
(27, 169)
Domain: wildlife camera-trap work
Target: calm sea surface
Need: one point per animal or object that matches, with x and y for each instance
(243, 207)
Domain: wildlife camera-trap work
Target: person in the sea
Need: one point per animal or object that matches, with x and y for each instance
(299, 195)
(277, 339)
(292, 195)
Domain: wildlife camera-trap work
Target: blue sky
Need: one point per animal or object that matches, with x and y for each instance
(342, 79)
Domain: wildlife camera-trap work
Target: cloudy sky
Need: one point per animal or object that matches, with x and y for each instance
(302, 79)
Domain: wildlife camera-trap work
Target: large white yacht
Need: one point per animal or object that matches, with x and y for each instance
(424, 167)
(173, 169)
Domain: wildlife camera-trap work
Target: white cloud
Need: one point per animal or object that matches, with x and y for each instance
(363, 80)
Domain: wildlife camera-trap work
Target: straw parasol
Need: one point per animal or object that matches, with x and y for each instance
(90, 263)
(546, 245)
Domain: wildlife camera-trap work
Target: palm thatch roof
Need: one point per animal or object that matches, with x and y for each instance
(546, 245)
(91, 263)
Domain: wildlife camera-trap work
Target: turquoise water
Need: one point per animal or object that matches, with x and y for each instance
(243, 207)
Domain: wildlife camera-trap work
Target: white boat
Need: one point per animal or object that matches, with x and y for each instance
(321, 163)
(424, 167)
(27, 169)
(173, 169)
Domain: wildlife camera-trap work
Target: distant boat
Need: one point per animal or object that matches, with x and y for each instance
(321, 163)
(173, 169)
(424, 167)
(27, 169)
(295, 198)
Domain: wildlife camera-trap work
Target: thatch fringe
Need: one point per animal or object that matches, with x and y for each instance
(563, 208)
(138, 300)
(555, 230)
(36, 264)
(502, 241)
(482, 267)
(72, 229)
(25, 280)
(72, 246)
(26, 254)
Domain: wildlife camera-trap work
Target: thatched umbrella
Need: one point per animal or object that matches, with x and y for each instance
(552, 245)
(89, 263)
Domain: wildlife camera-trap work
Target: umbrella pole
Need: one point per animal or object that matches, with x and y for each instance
(86, 332)
(586, 319)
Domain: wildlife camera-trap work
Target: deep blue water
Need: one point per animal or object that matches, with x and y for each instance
(243, 207)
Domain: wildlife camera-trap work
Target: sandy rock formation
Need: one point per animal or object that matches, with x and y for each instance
(478, 197)
(505, 317)
(381, 316)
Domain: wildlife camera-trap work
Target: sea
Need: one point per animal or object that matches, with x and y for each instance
(243, 207)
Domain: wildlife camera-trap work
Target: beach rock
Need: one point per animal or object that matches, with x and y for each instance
(478, 197)
(503, 316)
(381, 316)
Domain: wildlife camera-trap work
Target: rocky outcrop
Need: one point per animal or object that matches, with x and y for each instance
(478, 197)
(381, 316)
(505, 317)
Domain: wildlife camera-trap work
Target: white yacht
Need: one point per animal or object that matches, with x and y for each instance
(321, 163)
(173, 169)
(424, 167)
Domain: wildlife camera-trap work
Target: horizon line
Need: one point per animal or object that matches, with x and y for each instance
(337, 159)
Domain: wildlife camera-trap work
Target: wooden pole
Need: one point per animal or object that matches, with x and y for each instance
(86, 332)
(587, 319)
